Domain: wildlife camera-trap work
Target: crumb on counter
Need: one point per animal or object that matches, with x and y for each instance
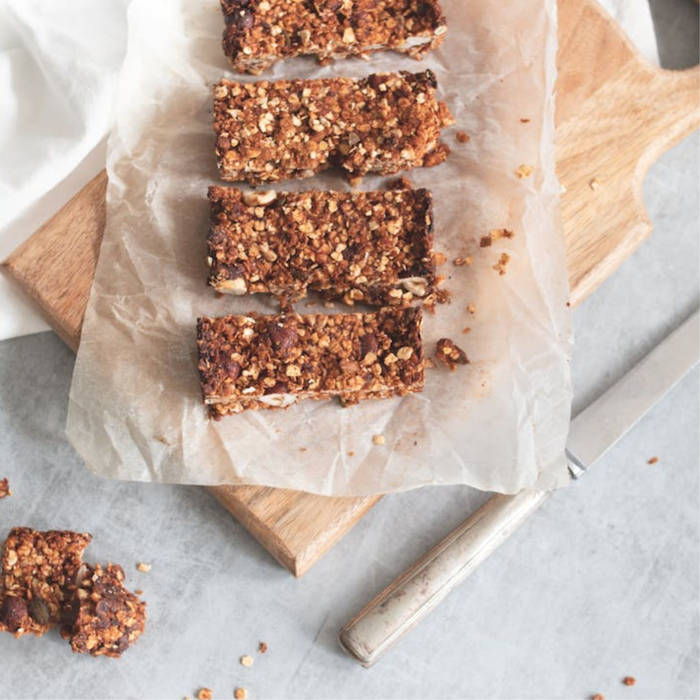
(247, 660)
(652, 460)
(262, 647)
(629, 680)
(5, 488)
(500, 266)
(142, 566)
(204, 694)
(378, 439)
(450, 353)
(524, 170)
(240, 693)
(462, 136)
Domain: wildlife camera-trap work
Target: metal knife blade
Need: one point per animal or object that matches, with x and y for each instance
(604, 422)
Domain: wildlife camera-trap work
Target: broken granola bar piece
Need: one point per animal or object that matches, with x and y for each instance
(260, 32)
(367, 247)
(269, 131)
(450, 353)
(259, 361)
(5, 488)
(103, 618)
(38, 574)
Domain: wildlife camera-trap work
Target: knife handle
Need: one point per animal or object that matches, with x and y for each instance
(410, 597)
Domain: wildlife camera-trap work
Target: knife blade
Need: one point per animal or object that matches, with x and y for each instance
(419, 589)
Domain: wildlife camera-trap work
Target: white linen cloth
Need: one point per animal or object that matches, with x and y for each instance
(58, 67)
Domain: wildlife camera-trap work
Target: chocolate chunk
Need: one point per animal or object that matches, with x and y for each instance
(39, 610)
(13, 612)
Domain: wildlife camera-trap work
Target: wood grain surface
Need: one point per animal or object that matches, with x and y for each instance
(615, 115)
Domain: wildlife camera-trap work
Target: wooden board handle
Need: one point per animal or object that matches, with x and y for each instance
(407, 600)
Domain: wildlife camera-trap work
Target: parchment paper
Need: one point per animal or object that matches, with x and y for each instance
(499, 423)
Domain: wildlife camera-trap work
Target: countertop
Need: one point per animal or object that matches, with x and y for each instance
(601, 583)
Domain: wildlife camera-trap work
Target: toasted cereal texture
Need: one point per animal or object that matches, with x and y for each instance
(367, 247)
(258, 361)
(103, 618)
(270, 131)
(38, 574)
(260, 32)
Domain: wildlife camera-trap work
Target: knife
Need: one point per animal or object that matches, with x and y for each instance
(410, 597)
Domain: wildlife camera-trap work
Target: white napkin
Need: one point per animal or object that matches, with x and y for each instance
(58, 66)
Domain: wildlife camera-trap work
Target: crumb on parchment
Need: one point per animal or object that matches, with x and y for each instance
(594, 184)
(378, 440)
(459, 262)
(262, 647)
(524, 170)
(240, 693)
(500, 266)
(629, 680)
(494, 235)
(450, 353)
(142, 566)
(652, 460)
(247, 660)
(462, 136)
(204, 694)
(5, 488)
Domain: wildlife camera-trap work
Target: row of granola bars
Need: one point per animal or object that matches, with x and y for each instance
(372, 248)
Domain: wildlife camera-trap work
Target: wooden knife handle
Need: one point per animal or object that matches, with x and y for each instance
(411, 596)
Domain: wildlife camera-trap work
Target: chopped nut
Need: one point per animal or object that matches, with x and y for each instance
(204, 694)
(240, 693)
(653, 460)
(629, 680)
(524, 170)
(459, 262)
(378, 440)
(594, 184)
(450, 353)
(142, 566)
(462, 137)
(5, 488)
(405, 352)
(247, 660)
(500, 266)
(262, 647)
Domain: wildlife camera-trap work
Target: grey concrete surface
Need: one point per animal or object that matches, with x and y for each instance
(601, 583)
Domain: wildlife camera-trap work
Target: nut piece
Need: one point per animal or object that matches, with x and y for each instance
(262, 648)
(652, 460)
(204, 694)
(247, 660)
(378, 440)
(240, 693)
(462, 137)
(629, 680)
(259, 199)
(450, 353)
(141, 566)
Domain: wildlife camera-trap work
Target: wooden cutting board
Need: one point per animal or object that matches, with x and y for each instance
(615, 115)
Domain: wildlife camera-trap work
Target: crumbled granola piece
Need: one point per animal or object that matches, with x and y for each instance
(361, 247)
(629, 680)
(103, 618)
(204, 694)
(450, 353)
(5, 488)
(598, 696)
(258, 361)
(471, 308)
(142, 566)
(258, 32)
(460, 262)
(399, 183)
(524, 170)
(439, 259)
(384, 123)
(38, 575)
(462, 137)
(500, 266)
(495, 235)
(378, 439)
(246, 660)
(652, 460)
(240, 693)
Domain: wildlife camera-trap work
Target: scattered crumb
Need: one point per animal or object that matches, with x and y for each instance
(247, 660)
(568, 304)
(262, 647)
(303, 449)
(466, 330)
(598, 696)
(459, 262)
(328, 305)
(204, 694)
(440, 279)
(240, 693)
(138, 591)
(500, 266)
(524, 170)
(399, 183)
(429, 364)
(443, 296)
(523, 120)
(471, 308)
(653, 460)
(462, 136)
(450, 353)
(494, 235)
(594, 184)
(142, 566)
(629, 680)
(355, 181)
(350, 454)
(439, 259)
(378, 440)
(5, 488)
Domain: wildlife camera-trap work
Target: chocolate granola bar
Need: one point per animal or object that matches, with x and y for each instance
(269, 131)
(103, 618)
(38, 573)
(369, 247)
(260, 32)
(258, 361)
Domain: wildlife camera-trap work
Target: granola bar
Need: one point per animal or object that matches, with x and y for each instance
(269, 131)
(259, 361)
(38, 573)
(103, 617)
(369, 247)
(260, 32)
